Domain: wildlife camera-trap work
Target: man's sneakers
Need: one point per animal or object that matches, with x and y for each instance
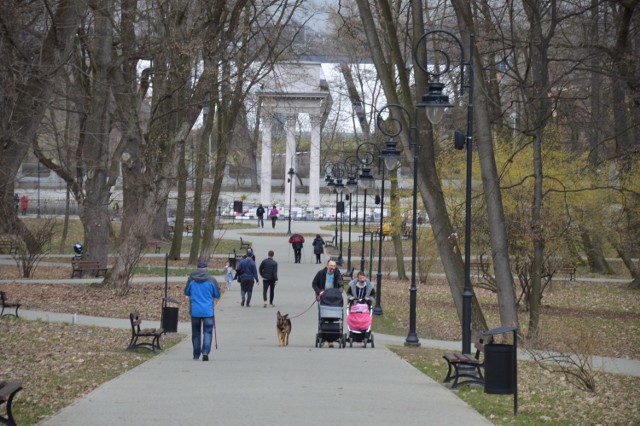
(242, 303)
(205, 357)
(265, 304)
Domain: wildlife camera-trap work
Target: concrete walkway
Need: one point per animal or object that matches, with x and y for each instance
(252, 381)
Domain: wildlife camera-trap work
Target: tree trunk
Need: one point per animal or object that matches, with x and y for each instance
(632, 266)
(396, 226)
(181, 202)
(490, 177)
(95, 210)
(592, 244)
(22, 119)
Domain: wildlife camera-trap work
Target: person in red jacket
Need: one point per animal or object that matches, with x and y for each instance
(24, 203)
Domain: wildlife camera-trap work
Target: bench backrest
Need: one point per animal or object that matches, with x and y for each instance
(75, 262)
(135, 321)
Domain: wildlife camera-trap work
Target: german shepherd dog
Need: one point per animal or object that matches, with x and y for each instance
(283, 326)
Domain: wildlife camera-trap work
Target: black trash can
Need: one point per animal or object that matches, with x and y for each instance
(498, 369)
(500, 364)
(169, 321)
(232, 261)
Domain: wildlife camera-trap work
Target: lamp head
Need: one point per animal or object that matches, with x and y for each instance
(391, 155)
(366, 179)
(435, 102)
(351, 184)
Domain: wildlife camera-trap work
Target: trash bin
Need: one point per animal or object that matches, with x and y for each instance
(232, 261)
(501, 366)
(498, 369)
(169, 321)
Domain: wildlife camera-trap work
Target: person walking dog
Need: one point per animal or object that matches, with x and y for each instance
(202, 290)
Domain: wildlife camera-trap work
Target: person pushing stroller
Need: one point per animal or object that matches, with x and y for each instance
(360, 288)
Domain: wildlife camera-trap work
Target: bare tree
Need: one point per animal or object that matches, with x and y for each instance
(36, 42)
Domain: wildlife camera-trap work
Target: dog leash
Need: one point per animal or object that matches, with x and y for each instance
(306, 310)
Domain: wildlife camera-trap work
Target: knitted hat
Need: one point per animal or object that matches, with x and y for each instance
(202, 264)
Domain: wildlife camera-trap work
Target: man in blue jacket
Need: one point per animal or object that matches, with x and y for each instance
(201, 290)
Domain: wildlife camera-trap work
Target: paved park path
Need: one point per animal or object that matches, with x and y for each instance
(252, 381)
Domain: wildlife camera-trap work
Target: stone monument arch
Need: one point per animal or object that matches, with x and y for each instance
(294, 88)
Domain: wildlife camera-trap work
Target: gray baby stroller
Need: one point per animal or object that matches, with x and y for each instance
(330, 318)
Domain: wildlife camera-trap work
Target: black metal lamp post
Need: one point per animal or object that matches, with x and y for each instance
(435, 103)
(38, 171)
(351, 185)
(365, 156)
(339, 187)
(391, 157)
(392, 127)
(291, 173)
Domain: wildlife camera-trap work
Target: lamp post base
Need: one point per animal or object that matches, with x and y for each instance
(412, 340)
(377, 310)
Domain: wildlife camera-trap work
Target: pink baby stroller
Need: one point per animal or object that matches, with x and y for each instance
(359, 318)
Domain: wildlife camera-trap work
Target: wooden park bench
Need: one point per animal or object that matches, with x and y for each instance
(244, 244)
(80, 266)
(8, 390)
(478, 269)
(567, 270)
(407, 233)
(187, 227)
(8, 246)
(155, 244)
(153, 334)
(464, 369)
(8, 305)
(331, 243)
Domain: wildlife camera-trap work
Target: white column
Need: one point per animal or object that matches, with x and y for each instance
(290, 160)
(314, 162)
(265, 164)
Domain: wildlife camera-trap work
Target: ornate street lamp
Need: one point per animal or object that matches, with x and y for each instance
(351, 185)
(365, 155)
(38, 171)
(435, 103)
(393, 126)
(391, 157)
(339, 187)
(291, 173)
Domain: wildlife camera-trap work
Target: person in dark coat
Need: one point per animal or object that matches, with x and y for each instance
(260, 214)
(297, 250)
(247, 274)
(269, 272)
(318, 247)
(327, 277)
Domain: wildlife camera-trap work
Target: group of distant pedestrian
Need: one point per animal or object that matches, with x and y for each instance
(21, 203)
(273, 215)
